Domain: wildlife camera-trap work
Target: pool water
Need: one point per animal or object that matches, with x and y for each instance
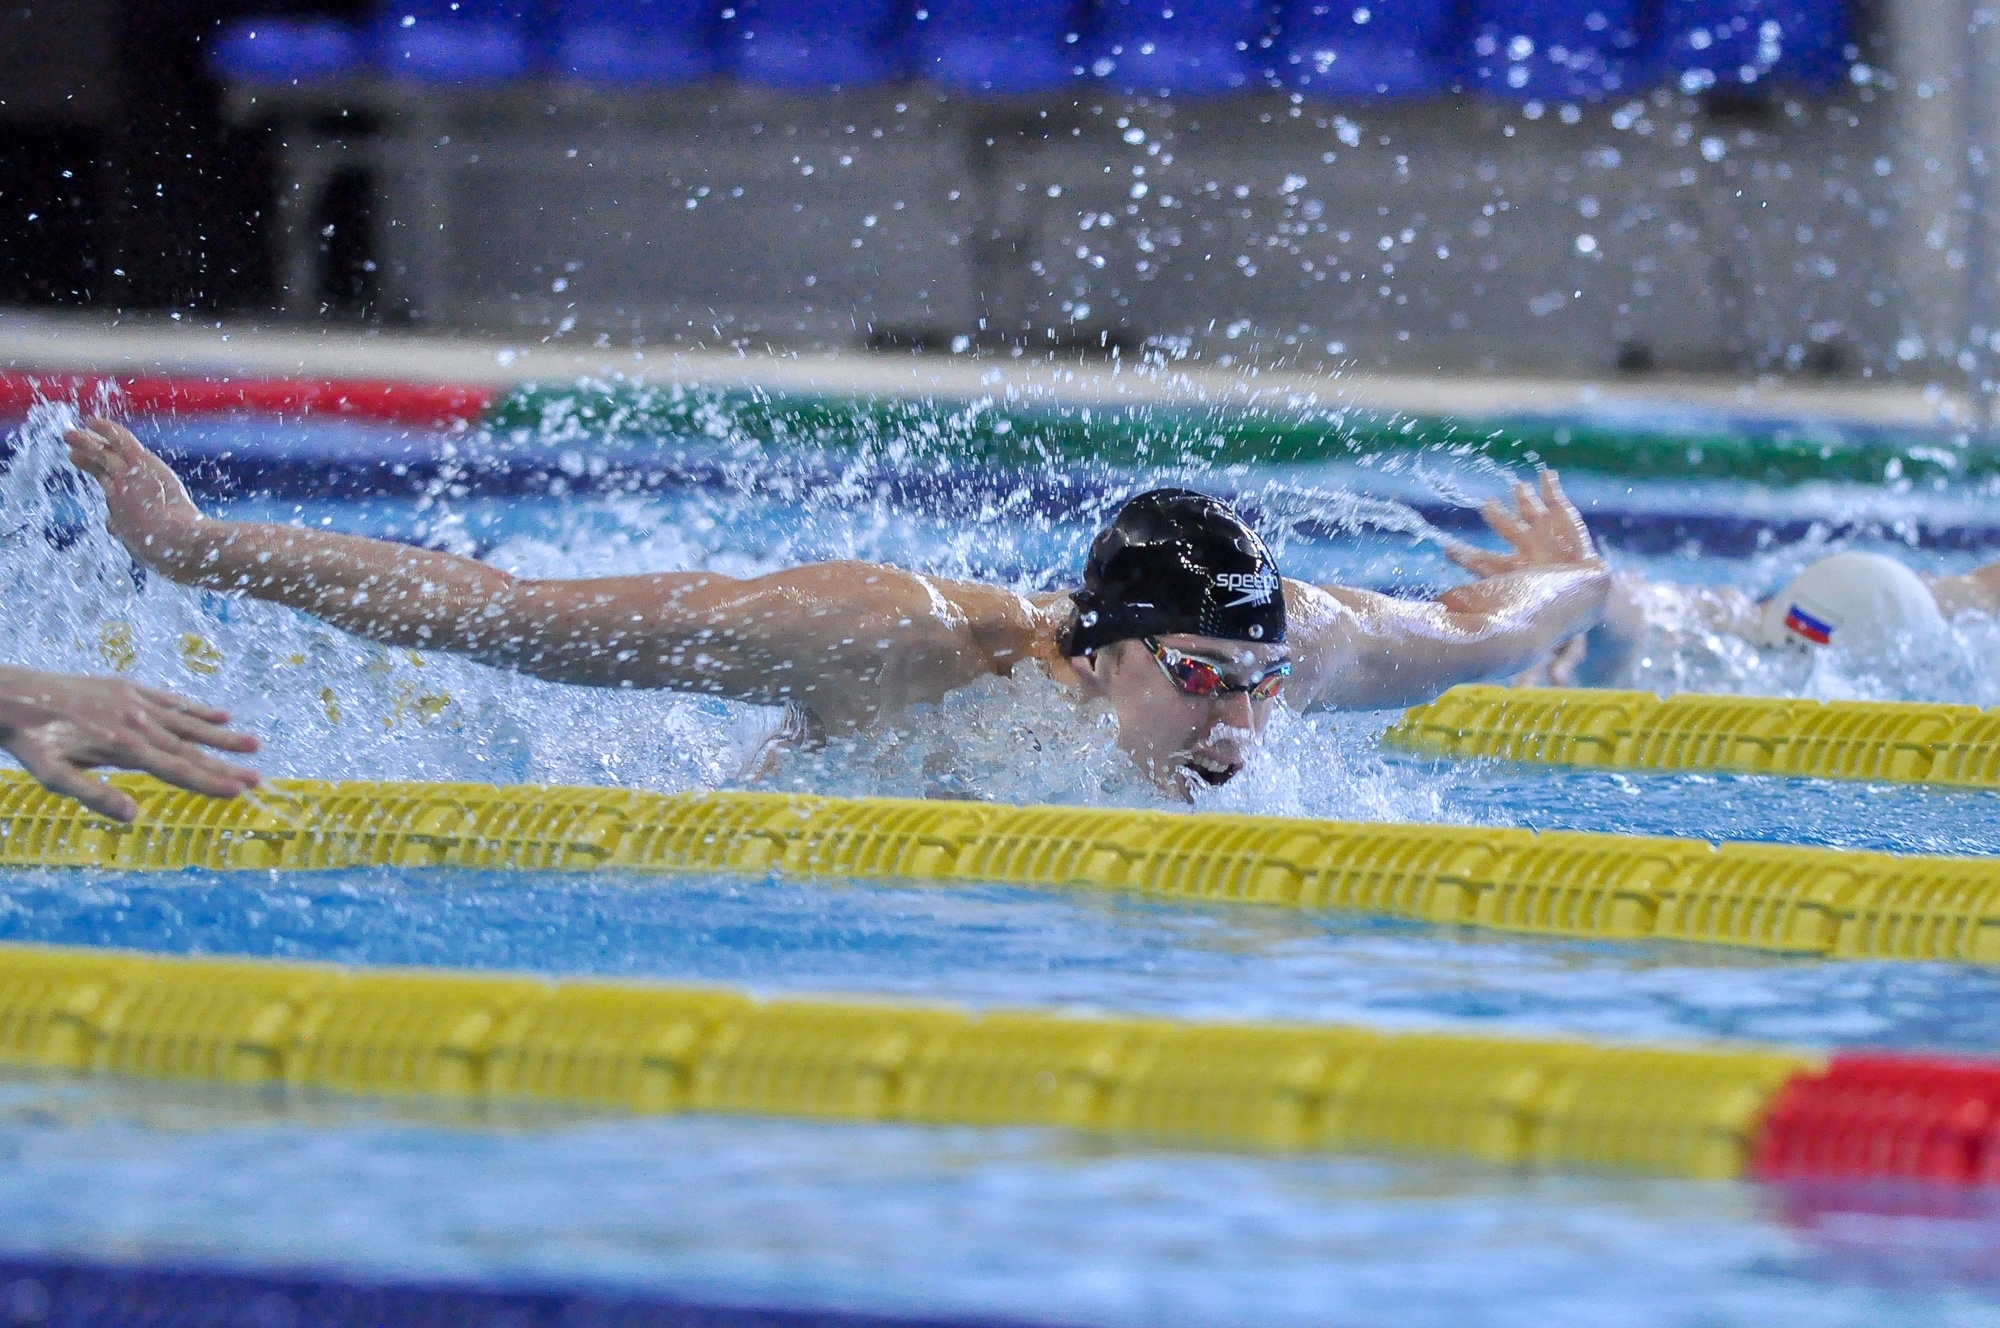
(991, 945)
(1036, 1225)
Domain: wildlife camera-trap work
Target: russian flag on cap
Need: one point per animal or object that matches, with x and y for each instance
(1804, 624)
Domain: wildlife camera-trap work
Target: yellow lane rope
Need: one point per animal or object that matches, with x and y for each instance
(1755, 735)
(1669, 1111)
(1832, 903)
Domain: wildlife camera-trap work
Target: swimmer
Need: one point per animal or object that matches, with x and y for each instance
(1182, 626)
(1871, 608)
(60, 727)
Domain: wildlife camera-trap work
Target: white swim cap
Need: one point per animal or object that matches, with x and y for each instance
(1860, 602)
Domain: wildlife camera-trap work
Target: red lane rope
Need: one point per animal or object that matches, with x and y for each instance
(383, 401)
(1919, 1118)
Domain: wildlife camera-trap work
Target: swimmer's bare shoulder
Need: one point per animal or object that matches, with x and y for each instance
(861, 641)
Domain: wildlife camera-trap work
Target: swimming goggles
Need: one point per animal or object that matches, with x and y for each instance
(1198, 677)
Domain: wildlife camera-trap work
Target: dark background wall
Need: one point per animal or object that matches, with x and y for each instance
(1773, 234)
(120, 185)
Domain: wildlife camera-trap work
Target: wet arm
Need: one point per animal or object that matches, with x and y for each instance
(386, 592)
(1977, 591)
(1354, 649)
(419, 598)
(846, 640)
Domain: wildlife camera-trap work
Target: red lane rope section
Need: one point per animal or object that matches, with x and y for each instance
(381, 401)
(1919, 1118)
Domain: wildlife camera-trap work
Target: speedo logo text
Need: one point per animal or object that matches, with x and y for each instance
(1251, 587)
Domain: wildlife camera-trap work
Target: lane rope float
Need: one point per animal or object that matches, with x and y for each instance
(376, 400)
(1830, 903)
(1032, 436)
(1715, 1112)
(1124, 435)
(1886, 741)
(1689, 1111)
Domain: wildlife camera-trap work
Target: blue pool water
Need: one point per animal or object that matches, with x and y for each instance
(1035, 1225)
(989, 945)
(957, 1221)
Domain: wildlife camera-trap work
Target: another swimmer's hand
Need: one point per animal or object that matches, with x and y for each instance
(150, 511)
(1543, 530)
(60, 728)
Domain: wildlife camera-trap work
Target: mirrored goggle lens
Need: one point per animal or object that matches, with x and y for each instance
(1199, 678)
(1267, 687)
(1193, 676)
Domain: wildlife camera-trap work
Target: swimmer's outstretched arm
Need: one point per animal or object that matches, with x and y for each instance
(1360, 650)
(846, 641)
(1977, 591)
(1605, 652)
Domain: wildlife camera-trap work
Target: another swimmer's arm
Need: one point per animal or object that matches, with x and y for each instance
(60, 728)
(1977, 591)
(1608, 648)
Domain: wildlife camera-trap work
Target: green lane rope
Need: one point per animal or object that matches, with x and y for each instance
(1135, 435)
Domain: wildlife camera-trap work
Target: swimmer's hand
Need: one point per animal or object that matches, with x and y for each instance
(150, 511)
(60, 728)
(1543, 530)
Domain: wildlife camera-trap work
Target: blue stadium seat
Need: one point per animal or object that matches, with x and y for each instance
(1367, 48)
(989, 46)
(650, 42)
(286, 50)
(806, 44)
(455, 41)
(1558, 50)
(1160, 47)
(1737, 43)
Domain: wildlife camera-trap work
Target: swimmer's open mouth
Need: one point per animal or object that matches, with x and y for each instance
(1211, 772)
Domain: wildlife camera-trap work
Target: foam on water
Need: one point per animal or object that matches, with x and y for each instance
(1025, 739)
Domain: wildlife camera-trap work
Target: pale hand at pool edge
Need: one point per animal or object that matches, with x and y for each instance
(61, 727)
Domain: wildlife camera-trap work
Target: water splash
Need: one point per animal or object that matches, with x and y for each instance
(1025, 739)
(328, 705)
(1682, 653)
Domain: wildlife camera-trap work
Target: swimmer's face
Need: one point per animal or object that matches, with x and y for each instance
(1178, 739)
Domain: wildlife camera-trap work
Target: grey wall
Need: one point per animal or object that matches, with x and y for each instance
(1792, 234)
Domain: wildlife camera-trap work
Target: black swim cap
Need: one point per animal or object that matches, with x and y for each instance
(1174, 560)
